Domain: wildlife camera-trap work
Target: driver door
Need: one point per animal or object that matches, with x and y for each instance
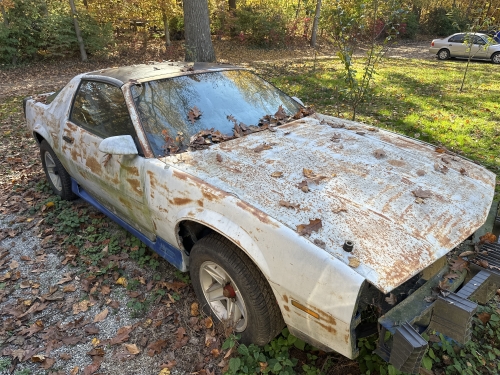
(115, 181)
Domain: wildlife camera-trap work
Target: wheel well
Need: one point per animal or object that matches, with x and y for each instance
(190, 232)
(38, 137)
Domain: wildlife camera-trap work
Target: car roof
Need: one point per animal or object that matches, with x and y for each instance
(154, 70)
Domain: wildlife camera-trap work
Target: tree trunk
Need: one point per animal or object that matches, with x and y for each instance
(4, 15)
(86, 4)
(232, 4)
(83, 53)
(165, 26)
(315, 23)
(198, 43)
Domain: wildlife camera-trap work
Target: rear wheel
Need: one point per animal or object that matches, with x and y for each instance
(443, 54)
(232, 290)
(59, 179)
(496, 58)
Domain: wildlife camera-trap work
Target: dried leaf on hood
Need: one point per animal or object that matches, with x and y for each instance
(391, 300)
(360, 132)
(319, 243)
(463, 171)
(441, 168)
(336, 137)
(420, 173)
(379, 153)
(420, 193)
(446, 159)
(313, 226)
(280, 114)
(262, 147)
(354, 262)
(277, 174)
(311, 176)
(194, 114)
(218, 157)
(303, 112)
(289, 205)
(440, 149)
(488, 238)
(303, 186)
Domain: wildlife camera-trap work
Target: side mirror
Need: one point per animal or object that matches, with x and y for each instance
(298, 100)
(118, 145)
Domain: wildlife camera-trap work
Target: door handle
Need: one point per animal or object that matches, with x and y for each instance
(449, 45)
(68, 139)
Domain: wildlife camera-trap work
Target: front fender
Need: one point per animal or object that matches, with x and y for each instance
(226, 228)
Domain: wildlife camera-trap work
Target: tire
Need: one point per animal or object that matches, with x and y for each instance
(495, 58)
(59, 180)
(215, 261)
(443, 54)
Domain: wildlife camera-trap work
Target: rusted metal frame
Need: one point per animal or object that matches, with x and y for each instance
(103, 79)
(136, 120)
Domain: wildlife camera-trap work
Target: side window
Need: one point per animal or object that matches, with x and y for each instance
(479, 40)
(100, 108)
(457, 38)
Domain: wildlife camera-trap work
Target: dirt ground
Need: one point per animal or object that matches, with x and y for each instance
(57, 318)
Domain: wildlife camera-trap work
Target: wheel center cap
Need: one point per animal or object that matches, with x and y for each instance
(228, 291)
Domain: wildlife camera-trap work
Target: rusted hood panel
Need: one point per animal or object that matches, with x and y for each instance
(366, 198)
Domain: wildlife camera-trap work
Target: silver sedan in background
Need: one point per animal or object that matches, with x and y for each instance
(478, 46)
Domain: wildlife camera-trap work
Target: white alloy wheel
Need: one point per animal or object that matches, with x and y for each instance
(223, 295)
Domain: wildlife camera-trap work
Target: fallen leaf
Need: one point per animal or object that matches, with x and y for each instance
(379, 153)
(466, 253)
(215, 352)
(67, 277)
(483, 263)
(121, 336)
(65, 356)
(313, 226)
(276, 174)
(194, 114)
(132, 348)
(420, 193)
(194, 309)
(354, 262)
(209, 322)
(463, 171)
(25, 284)
(38, 358)
(280, 114)
(14, 264)
(488, 238)
(440, 150)
(165, 371)
(48, 363)
(81, 307)
(484, 317)
(303, 186)
(391, 300)
(156, 347)
(74, 371)
(101, 316)
(319, 243)
(69, 288)
(289, 205)
(169, 364)
(219, 158)
(311, 176)
(121, 281)
(440, 168)
(262, 147)
(420, 173)
(459, 264)
(95, 341)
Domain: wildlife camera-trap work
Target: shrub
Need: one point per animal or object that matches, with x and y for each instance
(443, 22)
(261, 27)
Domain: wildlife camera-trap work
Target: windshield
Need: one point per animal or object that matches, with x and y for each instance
(193, 111)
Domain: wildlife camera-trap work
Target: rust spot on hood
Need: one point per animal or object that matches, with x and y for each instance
(152, 179)
(94, 165)
(264, 218)
(131, 170)
(397, 163)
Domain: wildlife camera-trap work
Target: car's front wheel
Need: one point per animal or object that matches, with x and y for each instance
(496, 58)
(443, 54)
(233, 291)
(59, 179)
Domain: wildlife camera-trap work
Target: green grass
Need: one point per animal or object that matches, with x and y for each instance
(415, 97)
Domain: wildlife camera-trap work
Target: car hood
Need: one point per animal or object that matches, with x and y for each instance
(403, 203)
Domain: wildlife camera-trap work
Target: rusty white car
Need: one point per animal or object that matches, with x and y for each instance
(476, 45)
(281, 216)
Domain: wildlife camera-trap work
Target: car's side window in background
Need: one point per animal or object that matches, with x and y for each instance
(100, 108)
(479, 40)
(457, 38)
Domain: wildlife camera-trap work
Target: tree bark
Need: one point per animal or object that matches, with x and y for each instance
(232, 4)
(4, 15)
(198, 42)
(165, 26)
(78, 33)
(315, 23)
